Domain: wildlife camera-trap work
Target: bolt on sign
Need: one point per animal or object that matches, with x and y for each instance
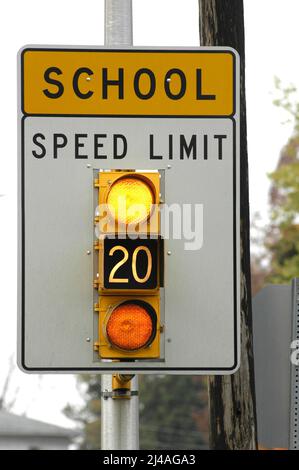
(129, 210)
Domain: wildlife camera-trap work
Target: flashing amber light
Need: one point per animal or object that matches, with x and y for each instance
(130, 199)
(131, 325)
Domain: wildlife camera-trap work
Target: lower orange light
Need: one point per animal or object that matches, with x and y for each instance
(131, 326)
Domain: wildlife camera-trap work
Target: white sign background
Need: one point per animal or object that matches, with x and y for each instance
(201, 287)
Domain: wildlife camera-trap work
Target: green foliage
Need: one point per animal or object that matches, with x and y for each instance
(285, 255)
(173, 412)
(283, 239)
(285, 100)
(286, 179)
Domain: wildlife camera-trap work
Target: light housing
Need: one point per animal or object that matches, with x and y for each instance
(129, 264)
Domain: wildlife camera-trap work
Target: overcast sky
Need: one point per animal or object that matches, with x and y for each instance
(271, 50)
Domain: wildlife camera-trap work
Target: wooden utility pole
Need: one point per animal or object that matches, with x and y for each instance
(232, 398)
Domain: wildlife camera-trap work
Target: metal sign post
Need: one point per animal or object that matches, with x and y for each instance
(119, 414)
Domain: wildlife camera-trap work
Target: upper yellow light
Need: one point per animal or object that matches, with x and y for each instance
(130, 200)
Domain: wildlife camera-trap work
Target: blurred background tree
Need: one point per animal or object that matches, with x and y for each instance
(282, 238)
(88, 416)
(173, 412)
(9, 395)
(275, 248)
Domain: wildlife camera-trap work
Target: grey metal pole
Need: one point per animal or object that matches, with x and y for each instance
(118, 23)
(119, 416)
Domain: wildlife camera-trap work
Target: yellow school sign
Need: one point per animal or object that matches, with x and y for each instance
(114, 82)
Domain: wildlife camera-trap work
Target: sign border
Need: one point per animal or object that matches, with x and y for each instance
(21, 282)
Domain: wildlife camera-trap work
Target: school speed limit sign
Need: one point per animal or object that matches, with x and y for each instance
(129, 210)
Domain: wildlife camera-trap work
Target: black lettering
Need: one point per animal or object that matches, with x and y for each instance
(57, 145)
(122, 154)
(187, 149)
(79, 144)
(119, 83)
(52, 81)
(40, 145)
(220, 138)
(152, 89)
(152, 156)
(205, 147)
(170, 146)
(98, 145)
(199, 94)
(167, 81)
(78, 92)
